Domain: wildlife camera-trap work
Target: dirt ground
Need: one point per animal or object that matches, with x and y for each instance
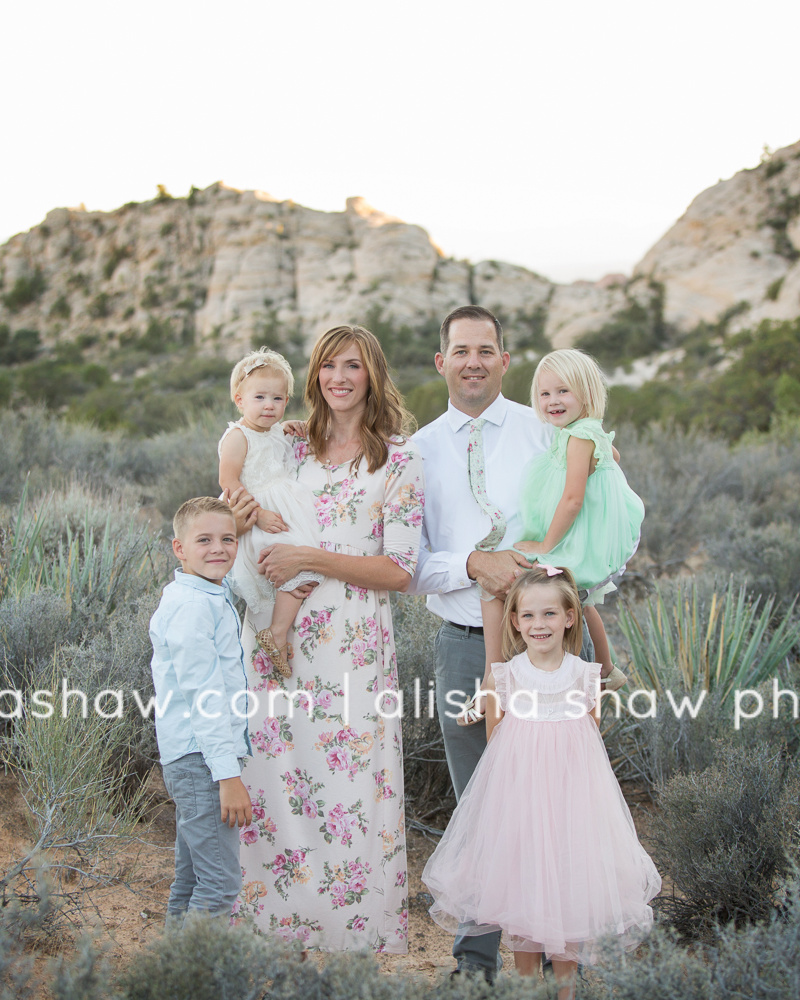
(131, 917)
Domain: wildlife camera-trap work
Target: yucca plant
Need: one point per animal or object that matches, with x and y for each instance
(732, 641)
(694, 653)
(101, 568)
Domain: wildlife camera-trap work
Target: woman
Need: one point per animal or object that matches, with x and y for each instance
(324, 858)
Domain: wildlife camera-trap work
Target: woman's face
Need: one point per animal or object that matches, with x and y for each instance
(344, 381)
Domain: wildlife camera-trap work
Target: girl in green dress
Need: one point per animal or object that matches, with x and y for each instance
(577, 507)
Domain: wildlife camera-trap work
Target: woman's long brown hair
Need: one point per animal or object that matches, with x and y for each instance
(385, 415)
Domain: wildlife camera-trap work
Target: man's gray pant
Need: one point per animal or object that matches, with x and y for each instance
(460, 661)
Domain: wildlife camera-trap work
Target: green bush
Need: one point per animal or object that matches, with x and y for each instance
(633, 332)
(100, 306)
(61, 308)
(26, 289)
(726, 839)
(23, 345)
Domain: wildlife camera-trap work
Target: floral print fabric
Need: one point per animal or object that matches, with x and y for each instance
(324, 859)
(476, 470)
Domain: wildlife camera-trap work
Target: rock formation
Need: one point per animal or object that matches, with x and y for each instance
(224, 268)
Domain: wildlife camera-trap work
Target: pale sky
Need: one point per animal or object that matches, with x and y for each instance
(566, 136)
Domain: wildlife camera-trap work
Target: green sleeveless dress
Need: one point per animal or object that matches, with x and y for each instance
(606, 532)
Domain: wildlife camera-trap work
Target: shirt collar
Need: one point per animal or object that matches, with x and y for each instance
(197, 582)
(495, 413)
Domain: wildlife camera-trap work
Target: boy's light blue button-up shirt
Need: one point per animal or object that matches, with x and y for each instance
(198, 668)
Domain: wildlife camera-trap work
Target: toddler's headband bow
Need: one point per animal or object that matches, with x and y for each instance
(252, 367)
(550, 570)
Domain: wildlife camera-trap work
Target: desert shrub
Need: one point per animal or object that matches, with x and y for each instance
(84, 975)
(661, 970)
(725, 837)
(723, 505)
(83, 811)
(22, 345)
(203, 960)
(633, 332)
(97, 568)
(517, 382)
(117, 658)
(26, 289)
(427, 401)
(32, 627)
(429, 792)
(188, 461)
(16, 962)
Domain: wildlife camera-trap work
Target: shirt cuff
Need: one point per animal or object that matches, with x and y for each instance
(457, 570)
(225, 766)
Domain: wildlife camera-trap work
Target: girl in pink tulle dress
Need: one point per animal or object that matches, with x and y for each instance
(542, 845)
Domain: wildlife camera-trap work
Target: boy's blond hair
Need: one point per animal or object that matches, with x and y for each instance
(192, 509)
(581, 373)
(263, 358)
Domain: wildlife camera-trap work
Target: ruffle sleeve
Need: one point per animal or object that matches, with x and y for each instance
(403, 504)
(500, 674)
(589, 429)
(232, 425)
(591, 684)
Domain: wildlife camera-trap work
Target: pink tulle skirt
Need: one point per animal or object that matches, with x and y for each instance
(542, 846)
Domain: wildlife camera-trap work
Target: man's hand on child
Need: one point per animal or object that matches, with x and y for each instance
(234, 800)
(496, 571)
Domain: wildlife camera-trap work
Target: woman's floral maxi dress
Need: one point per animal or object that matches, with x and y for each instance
(324, 859)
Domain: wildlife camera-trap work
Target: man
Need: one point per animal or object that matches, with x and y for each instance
(472, 360)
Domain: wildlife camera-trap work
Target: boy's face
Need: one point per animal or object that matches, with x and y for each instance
(208, 547)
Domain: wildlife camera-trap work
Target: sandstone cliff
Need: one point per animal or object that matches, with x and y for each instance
(223, 268)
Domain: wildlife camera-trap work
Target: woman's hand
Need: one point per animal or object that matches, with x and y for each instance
(243, 507)
(295, 428)
(280, 563)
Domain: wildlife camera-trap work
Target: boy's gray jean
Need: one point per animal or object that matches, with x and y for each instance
(460, 660)
(207, 871)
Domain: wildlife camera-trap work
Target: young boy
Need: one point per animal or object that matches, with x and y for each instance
(198, 668)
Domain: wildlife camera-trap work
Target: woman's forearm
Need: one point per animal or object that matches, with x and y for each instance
(282, 562)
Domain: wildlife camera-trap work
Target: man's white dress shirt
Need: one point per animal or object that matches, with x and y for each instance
(453, 522)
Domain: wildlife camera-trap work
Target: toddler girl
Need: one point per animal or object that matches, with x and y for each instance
(254, 453)
(576, 505)
(542, 845)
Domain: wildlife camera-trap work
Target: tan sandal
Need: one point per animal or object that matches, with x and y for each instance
(470, 713)
(279, 661)
(615, 680)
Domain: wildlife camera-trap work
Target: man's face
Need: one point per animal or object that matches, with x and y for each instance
(473, 366)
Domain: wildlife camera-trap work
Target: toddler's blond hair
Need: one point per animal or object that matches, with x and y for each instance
(263, 358)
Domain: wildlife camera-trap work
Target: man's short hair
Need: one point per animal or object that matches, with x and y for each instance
(468, 312)
(191, 509)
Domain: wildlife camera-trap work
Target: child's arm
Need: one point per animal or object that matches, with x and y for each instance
(493, 711)
(236, 807)
(580, 454)
(232, 453)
